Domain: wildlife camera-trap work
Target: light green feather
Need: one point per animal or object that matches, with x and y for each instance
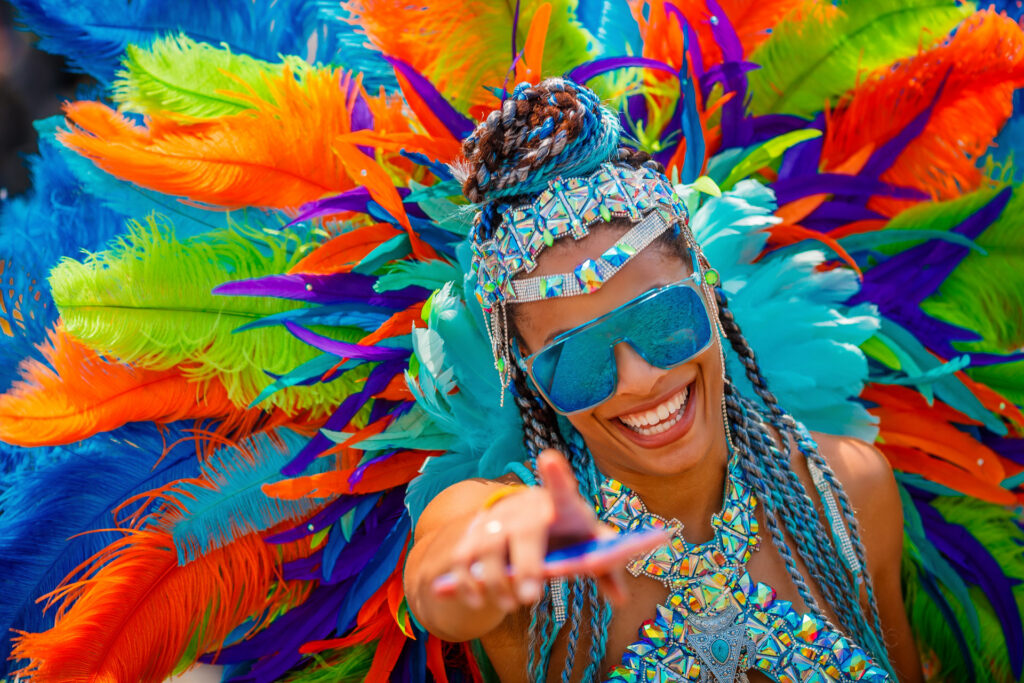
(147, 301)
(806, 63)
(179, 76)
(350, 665)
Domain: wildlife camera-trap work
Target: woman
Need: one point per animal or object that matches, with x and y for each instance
(620, 330)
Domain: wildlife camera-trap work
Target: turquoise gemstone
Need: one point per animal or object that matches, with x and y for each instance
(720, 649)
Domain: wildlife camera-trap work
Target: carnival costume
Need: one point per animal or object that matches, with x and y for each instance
(288, 331)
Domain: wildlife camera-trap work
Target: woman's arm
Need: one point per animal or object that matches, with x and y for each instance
(868, 479)
(461, 535)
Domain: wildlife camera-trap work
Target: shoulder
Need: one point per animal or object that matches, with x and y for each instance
(860, 467)
(866, 476)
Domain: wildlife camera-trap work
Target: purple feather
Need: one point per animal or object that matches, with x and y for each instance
(320, 521)
(457, 124)
(885, 156)
(720, 73)
(1011, 449)
(831, 215)
(976, 565)
(361, 117)
(771, 126)
(378, 379)
(838, 183)
(899, 284)
(324, 289)
(345, 349)
(803, 159)
(584, 72)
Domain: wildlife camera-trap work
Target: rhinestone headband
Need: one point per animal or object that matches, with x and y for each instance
(569, 206)
(591, 274)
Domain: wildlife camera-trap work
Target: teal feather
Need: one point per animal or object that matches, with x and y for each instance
(226, 501)
(812, 363)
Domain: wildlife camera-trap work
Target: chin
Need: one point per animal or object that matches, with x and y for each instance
(670, 439)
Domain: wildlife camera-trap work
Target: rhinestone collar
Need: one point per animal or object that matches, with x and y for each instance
(717, 622)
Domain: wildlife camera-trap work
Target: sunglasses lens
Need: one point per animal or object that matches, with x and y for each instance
(577, 373)
(670, 328)
(666, 329)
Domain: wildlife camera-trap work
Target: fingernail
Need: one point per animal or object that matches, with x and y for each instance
(529, 590)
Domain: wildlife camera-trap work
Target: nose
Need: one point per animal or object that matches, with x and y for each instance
(637, 377)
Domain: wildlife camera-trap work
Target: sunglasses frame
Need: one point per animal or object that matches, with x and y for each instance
(695, 281)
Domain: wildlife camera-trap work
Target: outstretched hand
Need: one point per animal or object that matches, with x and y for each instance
(501, 557)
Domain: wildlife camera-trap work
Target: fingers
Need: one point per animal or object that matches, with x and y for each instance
(556, 475)
(526, 557)
(498, 563)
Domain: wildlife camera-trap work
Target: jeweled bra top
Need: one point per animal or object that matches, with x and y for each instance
(717, 622)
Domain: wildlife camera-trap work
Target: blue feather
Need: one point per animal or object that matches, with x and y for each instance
(346, 45)
(138, 203)
(93, 34)
(230, 502)
(56, 219)
(73, 490)
(612, 25)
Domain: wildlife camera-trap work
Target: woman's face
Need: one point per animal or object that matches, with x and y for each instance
(658, 422)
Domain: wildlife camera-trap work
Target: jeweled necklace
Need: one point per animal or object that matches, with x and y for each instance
(717, 623)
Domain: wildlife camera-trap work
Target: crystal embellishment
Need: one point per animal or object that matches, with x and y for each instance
(718, 622)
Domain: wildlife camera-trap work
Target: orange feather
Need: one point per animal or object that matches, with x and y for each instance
(984, 61)
(78, 393)
(397, 470)
(340, 254)
(923, 439)
(135, 613)
(278, 154)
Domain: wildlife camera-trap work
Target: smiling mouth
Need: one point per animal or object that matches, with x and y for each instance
(660, 418)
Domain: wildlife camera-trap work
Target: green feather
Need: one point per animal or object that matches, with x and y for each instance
(806, 63)
(147, 301)
(180, 76)
(985, 292)
(350, 665)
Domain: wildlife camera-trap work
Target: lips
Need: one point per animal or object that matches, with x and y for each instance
(648, 429)
(659, 418)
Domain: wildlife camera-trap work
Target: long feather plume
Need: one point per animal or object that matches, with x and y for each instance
(183, 79)
(967, 83)
(93, 34)
(49, 507)
(809, 61)
(148, 302)
(136, 615)
(76, 393)
(277, 153)
(226, 500)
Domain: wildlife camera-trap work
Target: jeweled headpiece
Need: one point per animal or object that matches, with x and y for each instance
(569, 206)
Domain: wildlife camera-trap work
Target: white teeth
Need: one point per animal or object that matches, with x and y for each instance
(660, 418)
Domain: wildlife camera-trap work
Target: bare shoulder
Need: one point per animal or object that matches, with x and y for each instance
(866, 476)
(860, 467)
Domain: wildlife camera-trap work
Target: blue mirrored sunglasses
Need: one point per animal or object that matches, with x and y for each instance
(667, 326)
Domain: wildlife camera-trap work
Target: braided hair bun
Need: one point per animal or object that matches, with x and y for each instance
(555, 129)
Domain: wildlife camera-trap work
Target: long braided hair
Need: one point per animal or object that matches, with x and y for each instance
(559, 129)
